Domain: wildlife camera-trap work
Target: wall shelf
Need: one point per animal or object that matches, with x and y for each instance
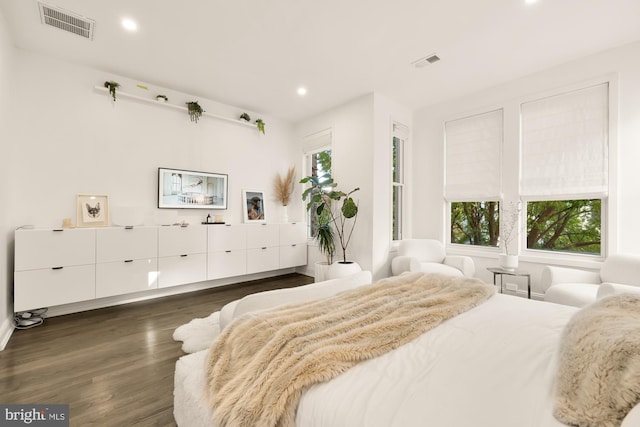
(126, 95)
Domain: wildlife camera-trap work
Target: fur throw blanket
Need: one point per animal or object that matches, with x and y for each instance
(598, 380)
(263, 362)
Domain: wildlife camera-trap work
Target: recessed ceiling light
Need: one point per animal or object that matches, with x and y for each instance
(530, 1)
(302, 91)
(129, 24)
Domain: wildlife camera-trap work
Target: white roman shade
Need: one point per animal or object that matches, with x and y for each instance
(565, 144)
(474, 157)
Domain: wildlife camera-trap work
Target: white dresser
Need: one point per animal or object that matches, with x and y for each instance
(62, 266)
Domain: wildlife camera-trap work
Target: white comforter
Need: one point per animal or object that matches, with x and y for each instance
(492, 366)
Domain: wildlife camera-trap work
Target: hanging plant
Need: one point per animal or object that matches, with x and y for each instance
(112, 88)
(162, 98)
(245, 117)
(195, 111)
(260, 125)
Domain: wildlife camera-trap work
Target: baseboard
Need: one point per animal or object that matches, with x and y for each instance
(5, 332)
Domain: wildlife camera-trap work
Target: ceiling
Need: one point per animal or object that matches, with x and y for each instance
(254, 54)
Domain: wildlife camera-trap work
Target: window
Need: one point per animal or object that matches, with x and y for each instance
(400, 134)
(317, 149)
(565, 170)
(475, 223)
(318, 163)
(473, 178)
(565, 225)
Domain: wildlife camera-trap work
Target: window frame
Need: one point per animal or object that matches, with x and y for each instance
(511, 182)
(399, 132)
(310, 148)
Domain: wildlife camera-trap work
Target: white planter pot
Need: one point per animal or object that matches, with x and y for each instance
(320, 272)
(508, 262)
(341, 269)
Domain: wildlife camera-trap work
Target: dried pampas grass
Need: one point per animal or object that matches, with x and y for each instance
(284, 186)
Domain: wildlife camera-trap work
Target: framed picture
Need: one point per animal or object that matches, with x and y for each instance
(92, 210)
(182, 189)
(253, 206)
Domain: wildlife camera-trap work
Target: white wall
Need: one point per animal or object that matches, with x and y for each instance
(428, 209)
(68, 138)
(362, 158)
(6, 236)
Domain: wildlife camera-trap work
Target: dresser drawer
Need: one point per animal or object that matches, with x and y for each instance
(37, 249)
(182, 269)
(226, 264)
(262, 259)
(293, 255)
(119, 244)
(124, 277)
(53, 286)
(174, 240)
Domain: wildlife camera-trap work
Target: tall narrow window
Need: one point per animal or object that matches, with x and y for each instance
(473, 178)
(565, 170)
(317, 148)
(400, 134)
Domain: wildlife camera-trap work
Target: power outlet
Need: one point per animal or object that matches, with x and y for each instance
(511, 287)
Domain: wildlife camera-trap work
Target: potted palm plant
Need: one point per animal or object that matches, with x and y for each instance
(335, 212)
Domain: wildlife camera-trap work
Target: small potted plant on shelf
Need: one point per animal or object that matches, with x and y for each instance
(162, 98)
(195, 111)
(245, 117)
(260, 124)
(111, 85)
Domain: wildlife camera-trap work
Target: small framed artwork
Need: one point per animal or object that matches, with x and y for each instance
(92, 210)
(182, 189)
(253, 204)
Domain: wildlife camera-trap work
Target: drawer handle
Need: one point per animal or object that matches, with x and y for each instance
(58, 229)
(183, 255)
(57, 268)
(227, 252)
(294, 245)
(263, 248)
(128, 260)
(263, 223)
(227, 225)
(128, 227)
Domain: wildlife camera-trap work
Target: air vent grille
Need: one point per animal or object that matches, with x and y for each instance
(67, 21)
(423, 62)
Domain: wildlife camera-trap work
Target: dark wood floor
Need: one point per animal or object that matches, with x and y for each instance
(113, 366)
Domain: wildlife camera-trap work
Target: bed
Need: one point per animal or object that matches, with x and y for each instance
(493, 365)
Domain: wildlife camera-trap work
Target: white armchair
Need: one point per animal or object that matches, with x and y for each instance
(570, 286)
(428, 255)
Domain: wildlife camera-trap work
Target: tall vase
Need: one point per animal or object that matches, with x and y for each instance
(285, 214)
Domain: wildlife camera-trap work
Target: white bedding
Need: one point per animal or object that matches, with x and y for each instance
(491, 366)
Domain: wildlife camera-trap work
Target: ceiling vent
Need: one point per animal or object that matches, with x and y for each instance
(67, 21)
(423, 62)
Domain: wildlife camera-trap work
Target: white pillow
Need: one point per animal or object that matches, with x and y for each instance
(269, 299)
(609, 289)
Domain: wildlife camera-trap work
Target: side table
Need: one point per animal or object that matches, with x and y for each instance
(499, 271)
